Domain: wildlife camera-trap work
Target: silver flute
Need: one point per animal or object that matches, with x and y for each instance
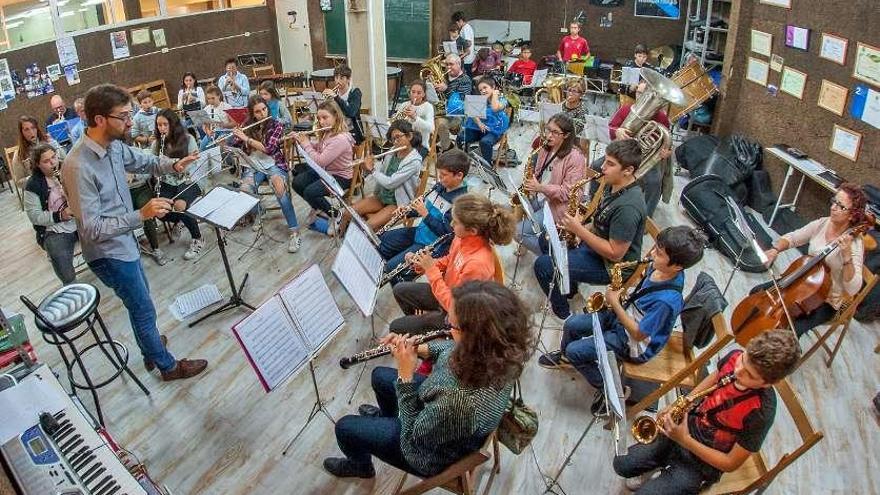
(407, 265)
(385, 349)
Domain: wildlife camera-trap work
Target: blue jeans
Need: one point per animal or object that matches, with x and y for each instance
(584, 266)
(60, 247)
(360, 437)
(253, 179)
(578, 345)
(129, 282)
(486, 139)
(525, 232)
(393, 247)
(681, 471)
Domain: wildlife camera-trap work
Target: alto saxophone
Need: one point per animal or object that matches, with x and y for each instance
(645, 428)
(407, 265)
(528, 173)
(574, 206)
(385, 349)
(597, 301)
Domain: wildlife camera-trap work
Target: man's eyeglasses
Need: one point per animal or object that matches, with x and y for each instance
(838, 204)
(125, 117)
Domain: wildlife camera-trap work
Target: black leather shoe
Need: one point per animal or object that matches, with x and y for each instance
(341, 467)
(369, 410)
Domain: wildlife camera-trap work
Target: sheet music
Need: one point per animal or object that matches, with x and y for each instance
(361, 245)
(557, 249)
(361, 285)
(475, 106)
(273, 346)
(327, 178)
(190, 303)
(596, 129)
(223, 207)
(314, 98)
(312, 307)
(528, 115)
(209, 162)
(377, 129)
(210, 202)
(21, 405)
(538, 78)
(547, 110)
(630, 75)
(605, 367)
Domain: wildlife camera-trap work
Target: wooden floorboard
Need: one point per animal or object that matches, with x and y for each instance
(221, 434)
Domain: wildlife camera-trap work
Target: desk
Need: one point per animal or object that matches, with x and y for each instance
(807, 167)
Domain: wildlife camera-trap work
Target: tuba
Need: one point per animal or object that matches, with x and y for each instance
(597, 302)
(645, 429)
(651, 136)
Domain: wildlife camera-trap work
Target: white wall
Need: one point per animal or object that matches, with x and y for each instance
(294, 41)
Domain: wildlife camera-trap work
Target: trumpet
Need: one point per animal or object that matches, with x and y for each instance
(400, 214)
(407, 265)
(385, 349)
(645, 428)
(597, 301)
(333, 92)
(380, 155)
(291, 134)
(399, 114)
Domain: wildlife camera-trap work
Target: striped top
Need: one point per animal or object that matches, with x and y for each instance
(441, 421)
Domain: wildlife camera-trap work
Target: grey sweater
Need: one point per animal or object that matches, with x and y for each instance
(441, 421)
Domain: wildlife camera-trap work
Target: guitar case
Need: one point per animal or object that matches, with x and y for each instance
(705, 200)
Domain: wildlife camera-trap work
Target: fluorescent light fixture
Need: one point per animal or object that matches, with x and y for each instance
(91, 2)
(13, 25)
(67, 13)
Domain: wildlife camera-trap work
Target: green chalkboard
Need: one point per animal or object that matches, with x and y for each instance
(407, 29)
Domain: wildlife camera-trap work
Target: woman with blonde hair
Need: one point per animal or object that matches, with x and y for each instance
(332, 151)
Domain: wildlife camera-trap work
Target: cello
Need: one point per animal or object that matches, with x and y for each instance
(803, 288)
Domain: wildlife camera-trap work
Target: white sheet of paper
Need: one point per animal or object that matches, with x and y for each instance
(194, 301)
(475, 106)
(209, 162)
(605, 368)
(538, 78)
(528, 115)
(362, 286)
(548, 110)
(366, 252)
(558, 250)
(450, 47)
(871, 114)
(21, 405)
(327, 178)
(210, 202)
(311, 304)
(201, 117)
(630, 75)
(223, 207)
(274, 348)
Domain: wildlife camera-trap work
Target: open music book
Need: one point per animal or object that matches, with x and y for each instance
(287, 330)
(223, 207)
(358, 266)
(328, 179)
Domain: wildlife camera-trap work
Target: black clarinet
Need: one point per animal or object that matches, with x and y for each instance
(385, 349)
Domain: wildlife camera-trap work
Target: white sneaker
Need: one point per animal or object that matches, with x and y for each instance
(159, 257)
(195, 248)
(332, 226)
(636, 482)
(294, 242)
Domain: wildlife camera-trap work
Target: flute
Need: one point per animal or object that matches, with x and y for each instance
(291, 134)
(224, 138)
(380, 155)
(385, 349)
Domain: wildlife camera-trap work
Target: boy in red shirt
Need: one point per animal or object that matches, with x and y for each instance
(573, 47)
(525, 65)
(724, 429)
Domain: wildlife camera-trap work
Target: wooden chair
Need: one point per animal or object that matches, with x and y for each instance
(459, 477)
(499, 267)
(501, 154)
(840, 322)
(263, 70)
(754, 474)
(18, 180)
(423, 185)
(357, 180)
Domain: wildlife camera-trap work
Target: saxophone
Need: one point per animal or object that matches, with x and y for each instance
(407, 265)
(528, 173)
(574, 204)
(597, 301)
(645, 428)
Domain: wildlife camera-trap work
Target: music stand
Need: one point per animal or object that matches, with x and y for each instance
(224, 217)
(530, 215)
(613, 392)
(559, 257)
(377, 129)
(487, 174)
(329, 182)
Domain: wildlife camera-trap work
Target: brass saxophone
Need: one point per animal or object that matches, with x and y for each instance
(645, 429)
(574, 204)
(385, 349)
(528, 173)
(597, 301)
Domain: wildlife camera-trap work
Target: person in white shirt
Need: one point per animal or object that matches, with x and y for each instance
(216, 110)
(467, 32)
(190, 96)
(235, 85)
(418, 112)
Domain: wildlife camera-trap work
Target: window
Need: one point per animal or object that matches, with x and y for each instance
(77, 15)
(244, 3)
(181, 7)
(25, 22)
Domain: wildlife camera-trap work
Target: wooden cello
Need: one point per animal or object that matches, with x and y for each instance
(803, 288)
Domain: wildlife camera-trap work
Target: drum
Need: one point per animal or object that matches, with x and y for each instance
(322, 79)
(395, 81)
(696, 84)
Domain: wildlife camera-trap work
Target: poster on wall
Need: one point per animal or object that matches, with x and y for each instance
(867, 66)
(140, 36)
(607, 3)
(54, 72)
(66, 51)
(662, 9)
(119, 44)
(37, 82)
(7, 88)
(762, 43)
(71, 73)
(866, 105)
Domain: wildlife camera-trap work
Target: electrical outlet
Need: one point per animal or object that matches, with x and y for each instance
(563, 29)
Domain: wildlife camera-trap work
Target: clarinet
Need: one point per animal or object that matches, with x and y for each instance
(406, 265)
(161, 152)
(385, 349)
(401, 213)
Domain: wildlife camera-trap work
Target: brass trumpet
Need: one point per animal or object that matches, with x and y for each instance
(645, 428)
(597, 301)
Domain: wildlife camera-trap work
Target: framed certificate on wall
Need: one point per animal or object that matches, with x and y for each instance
(793, 82)
(867, 65)
(832, 97)
(845, 142)
(778, 3)
(757, 71)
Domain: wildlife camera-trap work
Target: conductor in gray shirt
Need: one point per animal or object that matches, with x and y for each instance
(93, 175)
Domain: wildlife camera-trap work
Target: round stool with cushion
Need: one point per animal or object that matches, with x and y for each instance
(68, 314)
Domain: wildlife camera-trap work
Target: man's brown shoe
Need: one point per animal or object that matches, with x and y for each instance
(185, 368)
(149, 365)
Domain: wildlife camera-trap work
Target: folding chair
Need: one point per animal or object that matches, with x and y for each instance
(459, 477)
(357, 180)
(754, 474)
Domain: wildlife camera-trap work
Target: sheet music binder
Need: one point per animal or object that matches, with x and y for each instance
(285, 332)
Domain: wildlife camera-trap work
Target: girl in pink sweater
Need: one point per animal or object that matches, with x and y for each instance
(333, 152)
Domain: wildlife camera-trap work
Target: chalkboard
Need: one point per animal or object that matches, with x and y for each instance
(407, 29)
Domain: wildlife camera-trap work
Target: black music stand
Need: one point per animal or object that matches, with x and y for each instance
(235, 300)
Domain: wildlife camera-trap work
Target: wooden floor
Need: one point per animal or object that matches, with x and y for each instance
(221, 434)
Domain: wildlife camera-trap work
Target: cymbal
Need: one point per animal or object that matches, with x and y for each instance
(662, 56)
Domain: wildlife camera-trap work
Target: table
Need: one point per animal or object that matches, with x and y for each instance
(807, 167)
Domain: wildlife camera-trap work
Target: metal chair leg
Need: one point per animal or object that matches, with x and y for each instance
(123, 362)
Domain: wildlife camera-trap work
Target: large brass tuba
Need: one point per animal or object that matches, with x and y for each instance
(645, 429)
(597, 302)
(651, 136)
